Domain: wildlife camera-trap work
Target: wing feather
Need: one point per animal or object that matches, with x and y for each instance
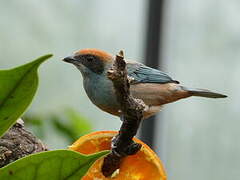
(143, 74)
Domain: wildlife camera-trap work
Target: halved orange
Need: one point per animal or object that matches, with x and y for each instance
(144, 165)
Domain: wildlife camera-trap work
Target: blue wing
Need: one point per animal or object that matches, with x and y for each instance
(143, 74)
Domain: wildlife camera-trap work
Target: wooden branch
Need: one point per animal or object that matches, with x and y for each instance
(17, 143)
(132, 113)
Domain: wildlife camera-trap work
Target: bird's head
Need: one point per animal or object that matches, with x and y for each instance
(91, 61)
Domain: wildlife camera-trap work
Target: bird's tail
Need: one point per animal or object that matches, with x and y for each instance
(203, 93)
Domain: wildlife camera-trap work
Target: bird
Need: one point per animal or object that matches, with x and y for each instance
(154, 87)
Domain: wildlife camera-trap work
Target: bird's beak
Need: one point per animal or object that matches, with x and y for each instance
(69, 59)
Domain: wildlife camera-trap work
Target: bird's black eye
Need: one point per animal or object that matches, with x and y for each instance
(90, 58)
(92, 62)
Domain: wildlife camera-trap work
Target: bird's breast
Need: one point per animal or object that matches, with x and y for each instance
(101, 92)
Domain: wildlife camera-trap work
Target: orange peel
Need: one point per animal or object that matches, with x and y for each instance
(144, 165)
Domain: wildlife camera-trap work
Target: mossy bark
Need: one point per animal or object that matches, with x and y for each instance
(17, 143)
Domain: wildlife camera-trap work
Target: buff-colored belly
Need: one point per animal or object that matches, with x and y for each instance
(154, 96)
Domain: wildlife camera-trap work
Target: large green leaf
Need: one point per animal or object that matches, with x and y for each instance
(17, 89)
(51, 165)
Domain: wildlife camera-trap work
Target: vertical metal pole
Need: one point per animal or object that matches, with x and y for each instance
(152, 54)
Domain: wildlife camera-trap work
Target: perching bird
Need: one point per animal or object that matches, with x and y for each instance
(154, 87)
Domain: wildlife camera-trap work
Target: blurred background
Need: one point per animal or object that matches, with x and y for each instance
(197, 42)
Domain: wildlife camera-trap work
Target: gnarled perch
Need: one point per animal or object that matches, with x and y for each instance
(132, 113)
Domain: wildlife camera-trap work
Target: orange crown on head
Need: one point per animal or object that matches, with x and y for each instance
(96, 52)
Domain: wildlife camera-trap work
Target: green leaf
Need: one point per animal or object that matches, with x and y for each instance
(71, 124)
(78, 122)
(17, 89)
(54, 165)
